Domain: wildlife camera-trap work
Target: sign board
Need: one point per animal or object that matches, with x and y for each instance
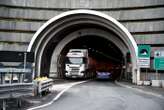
(16, 70)
(144, 62)
(144, 51)
(159, 63)
(16, 56)
(158, 54)
(144, 56)
(159, 60)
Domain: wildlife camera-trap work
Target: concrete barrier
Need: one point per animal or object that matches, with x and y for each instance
(162, 83)
(139, 83)
(146, 83)
(156, 83)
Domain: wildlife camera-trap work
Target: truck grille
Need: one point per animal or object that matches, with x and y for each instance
(74, 69)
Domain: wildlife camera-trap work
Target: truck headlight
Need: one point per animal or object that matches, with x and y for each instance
(67, 74)
(81, 74)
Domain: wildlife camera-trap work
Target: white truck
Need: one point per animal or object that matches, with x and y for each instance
(76, 64)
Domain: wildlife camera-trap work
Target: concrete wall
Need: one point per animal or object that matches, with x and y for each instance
(20, 19)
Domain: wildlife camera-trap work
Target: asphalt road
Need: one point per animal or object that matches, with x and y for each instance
(105, 95)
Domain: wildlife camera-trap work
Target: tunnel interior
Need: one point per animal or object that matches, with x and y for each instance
(100, 48)
(106, 54)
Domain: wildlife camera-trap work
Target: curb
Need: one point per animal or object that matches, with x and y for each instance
(58, 95)
(139, 90)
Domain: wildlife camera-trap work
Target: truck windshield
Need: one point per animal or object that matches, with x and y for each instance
(75, 60)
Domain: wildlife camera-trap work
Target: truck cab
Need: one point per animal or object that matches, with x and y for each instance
(76, 63)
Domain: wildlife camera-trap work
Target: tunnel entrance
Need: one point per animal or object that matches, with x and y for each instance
(103, 54)
(104, 37)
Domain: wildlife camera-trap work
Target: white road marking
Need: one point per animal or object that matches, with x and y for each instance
(63, 87)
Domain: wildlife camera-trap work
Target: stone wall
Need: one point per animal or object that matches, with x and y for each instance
(20, 19)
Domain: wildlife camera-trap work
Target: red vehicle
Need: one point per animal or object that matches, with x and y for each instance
(105, 69)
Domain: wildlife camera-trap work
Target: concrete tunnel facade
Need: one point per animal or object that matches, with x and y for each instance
(49, 41)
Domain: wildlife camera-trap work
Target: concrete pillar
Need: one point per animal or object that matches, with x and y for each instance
(125, 74)
(138, 77)
(135, 75)
(4, 104)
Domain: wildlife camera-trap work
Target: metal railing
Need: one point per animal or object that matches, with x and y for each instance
(15, 90)
(42, 86)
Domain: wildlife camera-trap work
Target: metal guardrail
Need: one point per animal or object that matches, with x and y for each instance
(18, 70)
(44, 85)
(15, 78)
(12, 87)
(16, 90)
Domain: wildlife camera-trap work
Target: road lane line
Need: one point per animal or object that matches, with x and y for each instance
(58, 95)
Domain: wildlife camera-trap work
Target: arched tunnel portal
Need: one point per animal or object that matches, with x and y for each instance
(88, 29)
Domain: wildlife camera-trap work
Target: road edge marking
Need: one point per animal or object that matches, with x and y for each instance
(140, 90)
(58, 95)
